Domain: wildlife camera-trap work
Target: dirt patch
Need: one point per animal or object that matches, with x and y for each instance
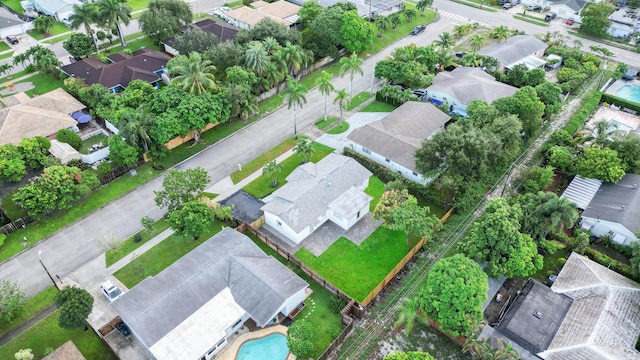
(508, 292)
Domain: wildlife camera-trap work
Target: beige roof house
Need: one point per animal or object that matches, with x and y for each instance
(42, 115)
(282, 12)
(66, 351)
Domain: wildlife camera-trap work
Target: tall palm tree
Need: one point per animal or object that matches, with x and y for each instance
(408, 313)
(444, 41)
(294, 56)
(350, 64)
(5, 68)
(112, 13)
(43, 24)
(500, 33)
(134, 126)
(272, 170)
(476, 41)
(193, 74)
(294, 95)
(544, 212)
(382, 24)
(305, 150)
(270, 44)
(395, 20)
(409, 14)
(84, 15)
(459, 31)
(343, 99)
(422, 5)
(326, 87)
(256, 58)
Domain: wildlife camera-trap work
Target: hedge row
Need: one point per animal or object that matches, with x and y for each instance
(623, 103)
(587, 106)
(614, 265)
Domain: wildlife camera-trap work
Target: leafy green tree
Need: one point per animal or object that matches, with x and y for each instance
(534, 77)
(96, 96)
(454, 292)
(545, 212)
(408, 313)
(551, 96)
(272, 170)
(481, 113)
(195, 40)
(351, 65)
(395, 20)
(343, 99)
(192, 219)
(79, 45)
(305, 150)
(137, 93)
(635, 258)
(198, 111)
(400, 211)
(309, 11)
(628, 149)
(225, 55)
(135, 126)
(322, 36)
(268, 28)
(409, 355)
(35, 151)
(444, 42)
(75, 305)
(193, 74)
(507, 129)
(43, 24)
(165, 18)
(180, 187)
(84, 15)
(12, 165)
(538, 179)
(496, 238)
(326, 87)
(120, 153)
(526, 104)
(600, 163)
(69, 137)
(422, 5)
(561, 158)
(515, 75)
(43, 60)
(357, 33)
(595, 19)
(12, 300)
(112, 13)
(294, 95)
(299, 336)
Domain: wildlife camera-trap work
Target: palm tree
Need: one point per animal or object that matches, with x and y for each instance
(274, 74)
(395, 20)
(135, 127)
(272, 170)
(422, 5)
(350, 64)
(305, 150)
(382, 24)
(326, 87)
(408, 313)
(459, 31)
(343, 99)
(256, 58)
(294, 94)
(112, 12)
(544, 212)
(444, 41)
(43, 24)
(294, 56)
(409, 14)
(476, 41)
(20, 59)
(270, 44)
(500, 33)
(84, 15)
(193, 74)
(559, 212)
(5, 68)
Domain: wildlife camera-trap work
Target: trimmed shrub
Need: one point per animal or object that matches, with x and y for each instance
(623, 103)
(614, 265)
(104, 168)
(69, 137)
(137, 238)
(588, 105)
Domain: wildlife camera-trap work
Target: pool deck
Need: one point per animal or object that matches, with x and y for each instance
(607, 114)
(231, 350)
(613, 89)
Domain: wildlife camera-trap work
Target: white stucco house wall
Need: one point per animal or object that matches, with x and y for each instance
(10, 24)
(567, 9)
(282, 12)
(330, 190)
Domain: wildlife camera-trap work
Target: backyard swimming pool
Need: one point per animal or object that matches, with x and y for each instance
(629, 92)
(271, 347)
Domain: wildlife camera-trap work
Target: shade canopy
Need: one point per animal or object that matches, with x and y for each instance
(84, 119)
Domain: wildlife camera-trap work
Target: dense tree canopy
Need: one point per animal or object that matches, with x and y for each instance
(600, 163)
(551, 96)
(79, 45)
(12, 165)
(356, 33)
(322, 35)
(12, 300)
(595, 18)
(299, 336)
(164, 18)
(526, 104)
(454, 293)
(192, 219)
(196, 40)
(544, 212)
(75, 305)
(268, 28)
(628, 149)
(179, 187)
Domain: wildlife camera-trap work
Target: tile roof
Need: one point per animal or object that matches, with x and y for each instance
(66, 351)
(222, 30)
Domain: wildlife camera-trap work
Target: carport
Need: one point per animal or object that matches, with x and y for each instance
(246, 208)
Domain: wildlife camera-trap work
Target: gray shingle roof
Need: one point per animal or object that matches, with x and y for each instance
(7, 19)
(575, 5)
(513, 49)
(398, 135)
(258, 283)
(471, 83)
(311, 188)
(618, 203)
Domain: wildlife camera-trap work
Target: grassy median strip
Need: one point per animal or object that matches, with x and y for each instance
(262, 160)
(531, 19)
(378, 106)
(358, 99)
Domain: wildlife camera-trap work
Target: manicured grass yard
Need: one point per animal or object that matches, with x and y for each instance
(261, 186)
(11, 209)
(375, 190)
(138, 4)
(32, 307)
(47, 335)
(14, 4)
(4, 46)
(86, 144)
(58, 28)
(357, 100)
(43, 84)
(257, 163)
(551, 265)
(403, 30)
(378, 106)
(339, 128)
(321, 124)
(161, 256)
(126, 247)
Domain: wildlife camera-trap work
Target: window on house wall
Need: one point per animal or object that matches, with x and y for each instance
(358, 215)
(279, 223)
(236, 324)
(387, 160)
(415, 173)
(366, 151)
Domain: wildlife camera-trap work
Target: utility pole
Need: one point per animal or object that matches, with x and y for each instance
(45, 269)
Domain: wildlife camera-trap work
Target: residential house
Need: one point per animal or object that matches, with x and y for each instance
(221, 30)
(464, 84)
(43, 115)
(567, 9)
(10, 24)
(66, 351)
(611, 210)
(519, 49)
(590, 312)
(364, 7)
(624, 22)
(189, 310)
(59, 9)
(393, 141)
(144, 64)
(331, 189)
(282, 12)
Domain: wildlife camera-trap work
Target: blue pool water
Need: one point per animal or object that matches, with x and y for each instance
(271, 347)
(629, 92)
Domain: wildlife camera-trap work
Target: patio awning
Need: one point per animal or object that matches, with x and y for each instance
(84, 119)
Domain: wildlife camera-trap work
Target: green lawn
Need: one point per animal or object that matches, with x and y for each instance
(378, 106)
(326, 324)
(138, 4)
(11, 209)
(261, 186)
(58, 28)
(339, 128)
(134, 45)
(551, 265)
(7, 55)
(47, 335)
(161, 256)
(14, 76)
(257, 163)
(321, 124)
(32, 307)
(43, 84)
(86, 144)
(58, 39)
(126, 247)
(15, 5)
(358, 99)
(375, 190)
(391, 36)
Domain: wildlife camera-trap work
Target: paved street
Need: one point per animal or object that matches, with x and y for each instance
(78, 244)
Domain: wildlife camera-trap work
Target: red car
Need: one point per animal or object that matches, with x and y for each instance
(569, 22)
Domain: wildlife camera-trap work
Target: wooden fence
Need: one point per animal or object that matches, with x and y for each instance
(16, 224)
(337, 341)
(117, 172)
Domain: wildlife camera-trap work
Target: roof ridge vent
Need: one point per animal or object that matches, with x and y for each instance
(537, 314)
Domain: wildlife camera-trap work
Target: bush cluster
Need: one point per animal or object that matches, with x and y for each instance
(587, 106)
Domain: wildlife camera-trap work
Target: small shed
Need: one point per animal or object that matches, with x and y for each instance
(629, 75)
(64, 151)
(554, 61)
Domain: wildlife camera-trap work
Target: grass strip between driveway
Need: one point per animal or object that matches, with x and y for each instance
(257, 163)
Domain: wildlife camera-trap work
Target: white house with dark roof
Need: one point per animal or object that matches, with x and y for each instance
(590, 312)
(519, 49)
(463, 85)
(190, 309)
(567, 9)
(331, 189)
(393, 141)
(608, 209)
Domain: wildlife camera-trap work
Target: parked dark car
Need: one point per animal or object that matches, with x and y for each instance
(550, 16)
(12, 39)
(459, 55)
(418, 29)
(123, 329)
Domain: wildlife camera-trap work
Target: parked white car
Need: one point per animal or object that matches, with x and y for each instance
(110, 290)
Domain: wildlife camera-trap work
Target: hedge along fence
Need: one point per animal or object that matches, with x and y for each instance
(623, 103)
(587, 106)
(604, 260)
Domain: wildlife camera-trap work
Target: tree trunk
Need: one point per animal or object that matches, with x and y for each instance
(325, 107)
(121, 36)
(340, 125)
(407, 238)
(295, 128)
(351, 84)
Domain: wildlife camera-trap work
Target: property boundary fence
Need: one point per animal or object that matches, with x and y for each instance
(117, 172)
(16, 224)
(337, 341)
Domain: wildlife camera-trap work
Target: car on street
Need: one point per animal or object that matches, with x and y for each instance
(550, 16)
(507, 6)
(533, 7)
(569, 22)
(460, 54)
(110, 290)
(12, 39)
(418, 29)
